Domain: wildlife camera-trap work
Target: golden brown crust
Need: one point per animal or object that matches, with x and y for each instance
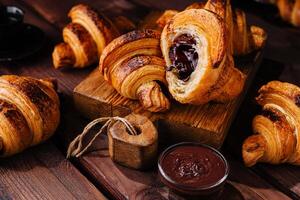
(82, 44)
(214, 77)
(132, 64)
(253, 149)
(223, 9)
(13, 122)
(240, 37)
(289, 11)
(257, 38)
(285, 89)
(63, 56)
(135, 40)
(84, 15)
(277, 127)
(285, 9)
(152, 98)
(29, 111)
(296, 14)
(85, 38)
(244, 39)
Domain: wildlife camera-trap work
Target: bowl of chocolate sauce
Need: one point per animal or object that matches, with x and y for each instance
(193, 170)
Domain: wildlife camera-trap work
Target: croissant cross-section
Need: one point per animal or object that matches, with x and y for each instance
(199, 66)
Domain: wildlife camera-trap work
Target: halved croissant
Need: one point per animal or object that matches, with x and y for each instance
(200, 67)
(244, 39)
(29, 113)
(132, 64)
(277, 138)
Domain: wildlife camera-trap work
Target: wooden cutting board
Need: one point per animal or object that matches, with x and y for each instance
(208, 123)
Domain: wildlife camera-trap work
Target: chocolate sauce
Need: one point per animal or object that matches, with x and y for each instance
(194, 166)
(183, 56)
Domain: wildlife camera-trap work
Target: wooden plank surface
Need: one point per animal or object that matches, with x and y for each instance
(41, 66)
(125, 183)
(56, 12)
(43, 173)
(284, 177)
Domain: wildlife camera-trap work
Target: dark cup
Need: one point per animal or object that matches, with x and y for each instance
(11, 26)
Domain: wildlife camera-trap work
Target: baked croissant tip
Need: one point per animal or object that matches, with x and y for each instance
(253, 150)
(52, 82)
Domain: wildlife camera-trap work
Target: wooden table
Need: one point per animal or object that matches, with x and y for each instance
(43, 172)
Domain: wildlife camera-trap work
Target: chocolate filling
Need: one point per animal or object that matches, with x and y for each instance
(297, 100)
(183, 56)
(271, 115)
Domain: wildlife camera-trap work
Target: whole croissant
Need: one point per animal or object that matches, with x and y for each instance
(290, 11)
(132, 63)
(84, 38)
(277, 136)
(244, 39)
(29, 113)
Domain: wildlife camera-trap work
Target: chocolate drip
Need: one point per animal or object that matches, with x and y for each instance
(183, 56)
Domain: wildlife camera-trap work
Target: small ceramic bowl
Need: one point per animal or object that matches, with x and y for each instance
(193, 170)
(11, 25)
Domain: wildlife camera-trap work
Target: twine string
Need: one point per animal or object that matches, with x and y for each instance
(76, 148)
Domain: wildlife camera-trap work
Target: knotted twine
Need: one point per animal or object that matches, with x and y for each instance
(76, 148)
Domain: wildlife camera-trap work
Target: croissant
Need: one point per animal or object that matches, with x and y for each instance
(276, 129)
(132, 63)
(290, 11)
(84, 38)
(200, 67)
(244, 39)
(29, 112)
(83, 49)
